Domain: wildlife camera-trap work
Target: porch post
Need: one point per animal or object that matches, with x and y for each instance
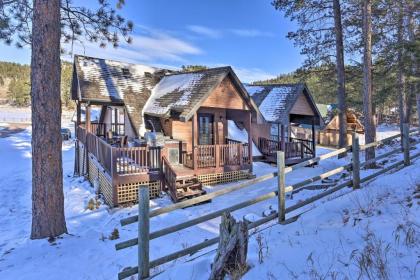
(115, 121)
(283, 143)
(77, 117)
(313, 137)
(87, 118)
(194, 141)
(250, 143)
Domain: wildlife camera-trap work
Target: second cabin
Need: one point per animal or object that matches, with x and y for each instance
(285, 106)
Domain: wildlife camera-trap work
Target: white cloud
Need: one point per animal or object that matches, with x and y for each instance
(251, 33)
(148, 45)
(205, 31)
(247, 75)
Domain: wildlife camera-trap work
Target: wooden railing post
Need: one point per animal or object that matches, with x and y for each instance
(217, 151)
(406, 143)
(144, 232)
(281, 176)
(240, 154)
(195, 156)
(355, 161)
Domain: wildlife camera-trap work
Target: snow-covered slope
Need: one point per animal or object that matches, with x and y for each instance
(235, 133)
(329, 238)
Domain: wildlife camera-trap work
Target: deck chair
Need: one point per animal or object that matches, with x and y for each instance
(124, 141)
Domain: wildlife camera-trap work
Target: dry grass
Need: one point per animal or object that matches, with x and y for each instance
(372, 260)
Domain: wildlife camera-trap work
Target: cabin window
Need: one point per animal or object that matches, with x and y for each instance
(205, 129)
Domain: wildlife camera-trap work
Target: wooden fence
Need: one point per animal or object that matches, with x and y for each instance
(144, 237)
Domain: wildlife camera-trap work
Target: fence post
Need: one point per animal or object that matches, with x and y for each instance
(144, 231)
(355, 151)
(406, 143)
(281, 186)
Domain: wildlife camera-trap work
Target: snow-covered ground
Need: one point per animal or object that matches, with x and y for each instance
(330, 238)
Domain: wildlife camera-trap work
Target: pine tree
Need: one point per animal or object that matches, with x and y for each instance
(51, 22)
(370, 129)
(320, 35)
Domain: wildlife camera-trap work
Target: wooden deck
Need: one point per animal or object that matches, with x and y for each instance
(296, 151)
(130, 166)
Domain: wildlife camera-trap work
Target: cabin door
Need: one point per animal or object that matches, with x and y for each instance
(205, 129)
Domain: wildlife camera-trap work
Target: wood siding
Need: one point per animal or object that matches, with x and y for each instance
(302, 107)
(183, 131)
(227, 96)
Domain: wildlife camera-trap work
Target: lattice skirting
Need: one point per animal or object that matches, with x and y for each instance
(225, 177)
(98, 176)
(129, 192)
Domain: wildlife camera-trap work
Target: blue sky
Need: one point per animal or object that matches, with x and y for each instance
(249, 35)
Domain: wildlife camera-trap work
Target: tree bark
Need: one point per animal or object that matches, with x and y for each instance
(411, 30)
(402, 96)
(47, 174)
(370, 129)
(341, 81)
(418, 109)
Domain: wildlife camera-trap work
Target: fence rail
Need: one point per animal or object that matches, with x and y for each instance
(279, 191)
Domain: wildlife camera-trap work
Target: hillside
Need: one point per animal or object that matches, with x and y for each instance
(15, 84)
(322, 84)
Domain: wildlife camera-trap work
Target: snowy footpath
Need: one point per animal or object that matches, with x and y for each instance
(373, 232)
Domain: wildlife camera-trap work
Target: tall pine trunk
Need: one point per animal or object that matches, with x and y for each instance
(411, 30)
(370, 130)
(341, 87)
(402, 96)
(418, 108)
(47, 173)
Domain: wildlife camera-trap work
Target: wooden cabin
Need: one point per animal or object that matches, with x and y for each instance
(329, 136)
(160, 128)
(284, 106)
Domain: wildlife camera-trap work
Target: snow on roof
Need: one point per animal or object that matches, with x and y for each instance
(111, 79)
(181, 85)
(181, 92)
(253, 89)
(274, 101)
(114, 82)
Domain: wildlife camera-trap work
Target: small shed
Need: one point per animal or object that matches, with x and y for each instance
(329, 136)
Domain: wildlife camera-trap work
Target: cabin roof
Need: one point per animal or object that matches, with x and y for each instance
(182, 94)
(104, 81)
(148, 90)
(276, 101)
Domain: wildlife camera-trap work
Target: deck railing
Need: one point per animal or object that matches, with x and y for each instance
(120, 161)
(169, 177)
(296, 148)
(100, 129)
(220, 155)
